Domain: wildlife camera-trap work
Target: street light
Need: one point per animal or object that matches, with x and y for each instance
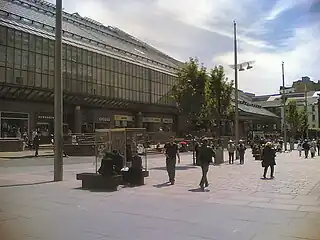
(58, 98)
(284, 111)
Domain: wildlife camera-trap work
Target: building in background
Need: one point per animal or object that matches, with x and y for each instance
(110, 78)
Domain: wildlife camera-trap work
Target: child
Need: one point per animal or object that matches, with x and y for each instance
(299, 148)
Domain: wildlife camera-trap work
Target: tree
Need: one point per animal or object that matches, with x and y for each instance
(293, 117)
(218, 94)
(304, 124)
(189, 92)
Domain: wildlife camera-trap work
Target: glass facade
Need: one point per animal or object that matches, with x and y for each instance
(28, 60)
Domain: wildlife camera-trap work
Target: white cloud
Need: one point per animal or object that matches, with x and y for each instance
(204, 28)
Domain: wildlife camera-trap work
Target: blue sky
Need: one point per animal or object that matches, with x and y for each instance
(269, 32)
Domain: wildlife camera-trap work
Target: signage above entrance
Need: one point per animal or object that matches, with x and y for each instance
(123, 118)
(151, 120)
(104, 119)
(167, 120)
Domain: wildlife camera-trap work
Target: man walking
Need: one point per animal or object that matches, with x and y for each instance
(306, 148)
(171, 152)
(206, 154)
(231, 148)
(241, 150)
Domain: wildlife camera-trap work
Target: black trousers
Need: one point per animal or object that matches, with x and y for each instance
(306, 153)
(204, 178)
(241, 155)
(171, 168)
(37, 150)
(266, 170)
(231, 157)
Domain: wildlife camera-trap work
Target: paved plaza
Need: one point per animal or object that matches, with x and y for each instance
(238, 204)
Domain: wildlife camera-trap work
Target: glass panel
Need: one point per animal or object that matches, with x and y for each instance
(32, 43)
(38, 63)
(74, 54)
(69, 52)
(45, 46)
(50, 82)
(9, 75)
(51, 65)
(25, 41)
(38, 44)
(44, 81)
(45, 64)
(31, 78)
(10, 57)
(32, 61)
(94, 59)
(24, 76)
(18, 39)
(3, 35)
(10, 37)
(25, 59)
(74, 70)
(3, 55)
(38, 80)
(17, 58)
(2, 74)
(51, 48)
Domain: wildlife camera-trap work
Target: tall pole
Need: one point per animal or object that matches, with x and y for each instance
(306, 110)
(58, 98)
(236, 115)
(284, 111)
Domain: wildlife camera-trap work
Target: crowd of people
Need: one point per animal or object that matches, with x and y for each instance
(205, 152)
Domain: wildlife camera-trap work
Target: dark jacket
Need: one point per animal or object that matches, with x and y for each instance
(206, 154)
(306, 146)
(268, 156)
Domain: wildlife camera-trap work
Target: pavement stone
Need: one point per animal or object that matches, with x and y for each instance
(24, 154)
(238, 204)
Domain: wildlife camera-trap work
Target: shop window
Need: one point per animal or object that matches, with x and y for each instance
(13, 127)
(25, 41)
(2, 74)
(3, 35)
(3, 55)
(9, 75)
(10, 37)
(31, 78)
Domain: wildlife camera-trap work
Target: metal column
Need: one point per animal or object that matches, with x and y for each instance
(236, 115)
(284, 110)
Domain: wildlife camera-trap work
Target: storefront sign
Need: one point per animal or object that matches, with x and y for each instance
(167, 120)
(123, 118)
(46, 117)
(103, 119)
(151, 120)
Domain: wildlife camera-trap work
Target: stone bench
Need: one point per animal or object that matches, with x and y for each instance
(99, 182)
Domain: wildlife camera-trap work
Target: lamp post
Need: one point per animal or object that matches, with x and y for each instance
(284, 110)
(58, 98)
(237, 67)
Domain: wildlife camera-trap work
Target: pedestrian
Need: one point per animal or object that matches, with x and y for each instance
(36, 143)
(231, 148)
(241, 151)
(318, 146)
(299, 148)
(171, 152)
(206, 154)
(268, 160)
(313, 147)
(306, 148)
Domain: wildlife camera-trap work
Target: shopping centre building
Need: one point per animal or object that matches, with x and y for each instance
(110, 78)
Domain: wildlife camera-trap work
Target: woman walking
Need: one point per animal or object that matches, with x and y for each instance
(268, 160)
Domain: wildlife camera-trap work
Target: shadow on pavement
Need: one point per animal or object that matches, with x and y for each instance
(198, 190)
(96, 190)
(25, 184)
(161, 185)
(177, 168)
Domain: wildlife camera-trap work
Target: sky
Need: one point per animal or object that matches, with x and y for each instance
(268, 32)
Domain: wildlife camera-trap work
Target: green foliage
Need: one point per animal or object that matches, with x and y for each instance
(304, 125)
(297, 119)
(189, 90)
(202, 97)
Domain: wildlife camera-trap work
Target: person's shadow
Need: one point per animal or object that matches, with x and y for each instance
(199, 190)
(162, 185)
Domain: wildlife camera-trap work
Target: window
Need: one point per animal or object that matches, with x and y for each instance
(2, 74)
(24, 76)
(89, 59)
(51, 48)
(44, 81)
(313, 118)
(9, 75)
(313, 109)
(38, 80)
(99, 61)
(38, 44)
(31, 78)
(79, 55)
(51, 65)
(10, 57)
(85, 56)
(45, 46)
(74, 53)
(69, 52)
(25, 59)
(32, 43)
(45, 64)
(3, 55)
(17, 58)
(32, 61)
(50, 82)
(74, 70)
(10, 37)
(38, 63)
(17, 77)
(3, 36)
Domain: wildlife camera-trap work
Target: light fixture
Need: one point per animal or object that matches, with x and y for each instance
(241, 68)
